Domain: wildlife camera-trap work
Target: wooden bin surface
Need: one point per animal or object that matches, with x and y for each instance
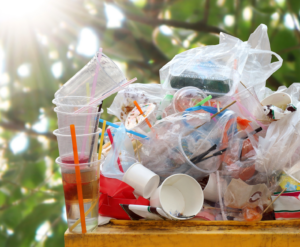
(123, 233)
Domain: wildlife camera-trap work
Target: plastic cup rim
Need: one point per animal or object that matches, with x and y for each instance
(182, 175)
(79, 113)
(55, 132)
(54, 101)
(89, 164)
(175, 94)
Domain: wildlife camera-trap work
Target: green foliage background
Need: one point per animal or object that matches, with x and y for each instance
(30, 183)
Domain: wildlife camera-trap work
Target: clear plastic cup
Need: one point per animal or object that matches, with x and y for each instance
(90, 175)
(108, 78)
(66, 116)
(192, 144)
(75, 101)
(86, 143)
(188, 97)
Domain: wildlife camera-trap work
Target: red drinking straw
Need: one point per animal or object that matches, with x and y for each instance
(78, 178)
(112, 141)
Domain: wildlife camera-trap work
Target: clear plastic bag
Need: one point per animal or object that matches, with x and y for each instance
(210, 68)
(161, 153)
(248, 107)
(276, 150)
(141, 93)
(258, 67)
(121, 154)
(240, 200)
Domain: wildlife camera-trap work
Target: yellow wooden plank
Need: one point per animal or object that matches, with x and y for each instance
(189, 233)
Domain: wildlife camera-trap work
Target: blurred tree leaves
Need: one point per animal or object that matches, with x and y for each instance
(30, 183)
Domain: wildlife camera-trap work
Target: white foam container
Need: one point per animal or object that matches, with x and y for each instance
(278, 99)
(143, 180)
(179, 193)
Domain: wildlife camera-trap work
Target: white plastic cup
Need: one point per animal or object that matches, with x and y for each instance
(278, 99)
(211, 189)
(143, 180)
(179, 194)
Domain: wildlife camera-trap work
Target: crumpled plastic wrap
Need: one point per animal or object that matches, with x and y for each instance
(276, 150)
(122, 148)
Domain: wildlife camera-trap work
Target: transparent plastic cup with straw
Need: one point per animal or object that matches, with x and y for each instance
(66, 116)
(84, 142)
(89, 173)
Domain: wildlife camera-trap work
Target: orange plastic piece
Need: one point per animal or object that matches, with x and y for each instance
(78, 178)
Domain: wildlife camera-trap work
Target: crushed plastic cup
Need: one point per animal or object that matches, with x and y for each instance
(294, 172)
(143, 180)
(108, 78)
(90, 182)
(180, 196)
(66, 116)
(136, 121)
(187, 97)
(280, 100)
(84, 143)
(211, 189)
(190, 146)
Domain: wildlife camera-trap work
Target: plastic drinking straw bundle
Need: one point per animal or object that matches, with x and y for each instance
(78, 178)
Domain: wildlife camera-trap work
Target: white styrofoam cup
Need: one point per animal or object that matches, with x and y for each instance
(143, 180)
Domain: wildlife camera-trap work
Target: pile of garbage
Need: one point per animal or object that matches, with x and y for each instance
(210, 142)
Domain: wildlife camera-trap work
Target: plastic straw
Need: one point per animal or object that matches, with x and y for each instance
(204, 100)
(274, 200)
(85, 214)
(140, 110)
(112, 141)
(95, 129)
(78, 178)
(96, 74)
(128, 131)
(104, 96)
(89, 117)
(101, 140)
(223, 109)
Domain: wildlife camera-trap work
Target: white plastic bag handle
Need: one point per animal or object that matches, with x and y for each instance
(273, 66)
